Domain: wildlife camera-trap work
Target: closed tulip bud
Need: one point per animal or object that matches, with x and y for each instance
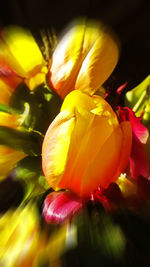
(83, 59)
(85, 146)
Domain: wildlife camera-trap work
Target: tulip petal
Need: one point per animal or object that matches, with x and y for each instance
(8, 159)
(25, 53)
(55, 147)
(104, 168)
(138, 159)
(95, 121)
(59, 206)
(8, 75)
(83, 59)
(126, 147)
(93, 135)
(101, 170)
(98, 64)
(139, 130)
(19, 230)
(5, 92)
(67, 60)
(9, 80)
(9, 120)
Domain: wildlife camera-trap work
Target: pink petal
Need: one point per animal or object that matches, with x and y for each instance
(59, 206)
(138, 159)
(139, 130)
(121, 88)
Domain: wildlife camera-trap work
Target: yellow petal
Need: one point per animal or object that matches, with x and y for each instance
(55, 147)
(9, 120)
(126, 129)
(5, 92)
(19, 231)
(100, 172)
(83, 59)
(110, 161)
(36, 80)
(127, 186)
(8, 159)
(92, 128)
(98, 64)
(67, 60)
(24, 54)
(79, 101)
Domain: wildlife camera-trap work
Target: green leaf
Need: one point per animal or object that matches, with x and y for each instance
(25, 102)
(4, 108)
(38, 108)
(30, 171)
(50, 101)
(137, 97)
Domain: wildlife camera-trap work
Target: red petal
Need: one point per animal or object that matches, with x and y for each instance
(139, 130)
(59, 206)
(8, 75)
(138, 159)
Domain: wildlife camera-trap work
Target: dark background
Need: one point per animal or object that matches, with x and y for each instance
(130, 19)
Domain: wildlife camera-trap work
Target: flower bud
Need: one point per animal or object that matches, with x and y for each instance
(83, 59)
(85, 146)
(20, 53)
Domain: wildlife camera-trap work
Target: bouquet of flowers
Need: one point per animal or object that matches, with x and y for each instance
(74, 164)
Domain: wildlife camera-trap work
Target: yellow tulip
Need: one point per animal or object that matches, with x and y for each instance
(9, 156)
(6, 90)
(20, 52)
(19, 232)
(9, 120)
(85, 146)
(8, 159)
(83, 59)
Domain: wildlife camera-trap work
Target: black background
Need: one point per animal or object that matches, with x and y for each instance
(130, 19)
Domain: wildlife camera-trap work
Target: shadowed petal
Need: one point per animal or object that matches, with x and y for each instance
(59, 206)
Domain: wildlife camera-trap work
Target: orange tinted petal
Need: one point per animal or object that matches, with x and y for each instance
(92, 128)
(111, 160)
(55, 147)
(100, 170)
(9, 120)
(126, 147)
(67, 59)
(8, 159)
(5, 92)
(83, 59)
(98, 64)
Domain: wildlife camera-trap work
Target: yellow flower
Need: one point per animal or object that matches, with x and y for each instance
(19, 231)
(7, 87)
(19, 52)
(8, 156)
(85, 147)
(83, 59)
(8, 159)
